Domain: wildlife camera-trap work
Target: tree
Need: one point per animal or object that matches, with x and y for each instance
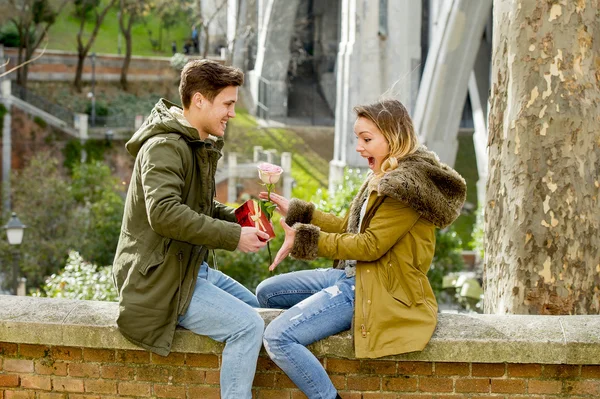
(84, 10)
(32, 19)
(206, 22)
(542, 220)
(130, 11)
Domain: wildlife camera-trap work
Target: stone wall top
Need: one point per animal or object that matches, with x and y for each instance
(458, 337)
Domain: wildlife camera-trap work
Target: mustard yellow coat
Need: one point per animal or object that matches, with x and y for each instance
(395, 308)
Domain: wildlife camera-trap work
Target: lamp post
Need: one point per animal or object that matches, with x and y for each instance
(14, 232)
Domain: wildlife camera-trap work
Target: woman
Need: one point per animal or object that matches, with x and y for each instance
(383, 249)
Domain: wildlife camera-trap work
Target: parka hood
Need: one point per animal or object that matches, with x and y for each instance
(432, 188)
(165, 117)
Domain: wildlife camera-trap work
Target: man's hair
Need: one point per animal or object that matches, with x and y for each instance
(208, 78)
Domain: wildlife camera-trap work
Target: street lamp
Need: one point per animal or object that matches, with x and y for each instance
(14, 232)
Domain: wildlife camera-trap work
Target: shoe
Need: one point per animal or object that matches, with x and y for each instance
(338, 396)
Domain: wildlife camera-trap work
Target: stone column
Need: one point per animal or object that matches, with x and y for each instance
(232, 177)
(288, 180)
(81, 123)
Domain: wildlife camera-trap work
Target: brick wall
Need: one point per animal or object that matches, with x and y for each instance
(59, 349)
(52, 372)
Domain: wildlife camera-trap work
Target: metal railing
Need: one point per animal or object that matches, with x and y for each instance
(58, 111)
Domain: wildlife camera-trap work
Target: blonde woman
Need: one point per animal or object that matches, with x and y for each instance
(382, 249)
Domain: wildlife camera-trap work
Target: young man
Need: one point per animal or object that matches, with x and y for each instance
(171, 221)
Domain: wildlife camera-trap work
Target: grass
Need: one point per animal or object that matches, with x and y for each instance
(62, 35)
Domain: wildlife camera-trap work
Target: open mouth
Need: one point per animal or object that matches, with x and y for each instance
(371, 162)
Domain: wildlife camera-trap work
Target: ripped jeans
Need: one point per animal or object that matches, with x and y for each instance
(320, 303)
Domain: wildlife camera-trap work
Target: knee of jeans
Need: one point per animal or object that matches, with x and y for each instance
(257, 326)
(261, 293)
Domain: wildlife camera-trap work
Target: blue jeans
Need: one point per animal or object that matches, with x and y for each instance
(320, 303)
(223, 309)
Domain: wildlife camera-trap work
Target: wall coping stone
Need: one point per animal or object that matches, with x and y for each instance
(472, 338)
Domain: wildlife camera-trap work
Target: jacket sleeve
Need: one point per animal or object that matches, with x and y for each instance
(224, 212)
(304, 212)
(163, 166)
(392, 220)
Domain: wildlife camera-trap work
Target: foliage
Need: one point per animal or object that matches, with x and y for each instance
(43, 200)
(464, 289)
(81, 212)
(72, 152)
(478, 244)
(446, 259)
(9, 36)
(178, 61)
(466, 165)
(344, 193)
(81, 280)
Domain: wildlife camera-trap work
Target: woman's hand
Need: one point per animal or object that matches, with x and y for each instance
(282, 203)
(288, 244)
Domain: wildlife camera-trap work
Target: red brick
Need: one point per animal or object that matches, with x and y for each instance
(339, 381)
(204, 392)
(350, 395)
(67, 384)
(36, 382)
(266, 364)
(19, 395)
(508, 386)
(415, 368)
(137, 389)
(268, 394)
(74, 396)
(8, 349)
(169, 391)
(98, 355)
(430, 384)
(472, 385)
(544, 386)
(362, 383)
(264, 380)
(9, 380)
(524, 370)
(33, 351)
(590, 372)
(212, 377)
(343, 366)
(283, 381)
(18, 365)
(452, 369)
(46, 367)
(100, 386)
(117, 372)
(139, 357)
(298, 395)
(488, 369)
(402, 384)
(50, 395)
(378, 395)
(88, 370)
(378, 367)
(175, 359)
(586, 387)
(184, 375)
(561, 371)
(202, 361)
(66, 353)
(152, 373)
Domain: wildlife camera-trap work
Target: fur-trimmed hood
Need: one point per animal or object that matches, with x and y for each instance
(430, 187)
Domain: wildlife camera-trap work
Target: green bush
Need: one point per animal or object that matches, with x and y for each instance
(80, 280)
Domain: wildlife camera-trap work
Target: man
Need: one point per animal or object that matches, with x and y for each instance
(171, 221)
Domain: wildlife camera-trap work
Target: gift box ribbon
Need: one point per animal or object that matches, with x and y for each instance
(258, 223)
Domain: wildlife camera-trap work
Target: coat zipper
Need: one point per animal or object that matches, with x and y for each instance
(180, 259)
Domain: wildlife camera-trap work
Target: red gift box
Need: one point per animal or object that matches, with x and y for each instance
(250, 214)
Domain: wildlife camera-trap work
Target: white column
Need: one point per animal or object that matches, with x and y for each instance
(256, 153)
(232, 177)
(288, 180)
(6, 143)
(81, 123)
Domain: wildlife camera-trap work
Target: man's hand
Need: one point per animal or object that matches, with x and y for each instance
(249, 241)
(288, 244)
(282, 203)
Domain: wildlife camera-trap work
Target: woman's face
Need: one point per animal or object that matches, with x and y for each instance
(371, 144)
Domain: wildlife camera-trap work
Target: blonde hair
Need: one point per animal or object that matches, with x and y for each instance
(394, 122)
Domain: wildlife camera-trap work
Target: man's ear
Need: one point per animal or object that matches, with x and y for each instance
(198, 100)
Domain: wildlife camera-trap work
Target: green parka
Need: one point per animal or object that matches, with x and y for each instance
(395, 308)
(170, 222)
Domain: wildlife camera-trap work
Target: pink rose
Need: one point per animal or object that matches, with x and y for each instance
(269, 173)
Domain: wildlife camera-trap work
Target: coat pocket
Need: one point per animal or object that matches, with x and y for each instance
(394, 285)
(157, 256)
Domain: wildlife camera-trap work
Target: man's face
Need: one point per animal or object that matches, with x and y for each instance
(214, 115)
